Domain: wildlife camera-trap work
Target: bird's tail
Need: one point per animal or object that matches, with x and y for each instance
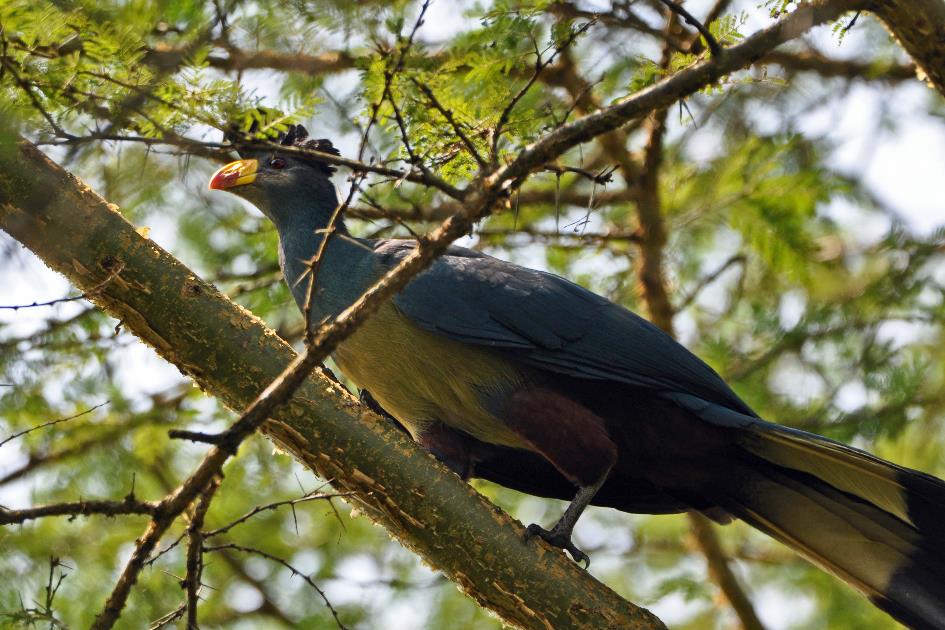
(877, 526)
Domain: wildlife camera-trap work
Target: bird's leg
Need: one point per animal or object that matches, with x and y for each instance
(576, 442)
(560, 535)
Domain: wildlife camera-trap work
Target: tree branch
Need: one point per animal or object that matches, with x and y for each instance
(814, 61)
(195, 537)
(919, 25)
(83, 296)
(680, 85)
(721, 572)
(128, 505)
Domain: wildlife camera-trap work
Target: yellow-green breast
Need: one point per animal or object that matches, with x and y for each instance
(420, 377)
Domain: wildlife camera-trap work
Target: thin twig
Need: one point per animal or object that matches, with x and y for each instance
(150, 561)
(540, 66)
(194, 436)
(128, 505)
(315, 495)
(52, 422)
(277, 559)
(619, 236)
(84, 296)
(721, 572)
(457, 128)
(169, 618)
(44, 611)
(51, 326)
(50, 589)
(415, 160)
(602, 177)
(690, 297)
(314, 264)
(194, 563)
(389, 75)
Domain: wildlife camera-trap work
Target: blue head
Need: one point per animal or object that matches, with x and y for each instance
(297, 194)
(293, 191)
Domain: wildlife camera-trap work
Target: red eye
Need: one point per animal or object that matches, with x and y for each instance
(277, 163)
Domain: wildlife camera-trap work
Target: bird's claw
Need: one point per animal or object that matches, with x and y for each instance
(558, 539)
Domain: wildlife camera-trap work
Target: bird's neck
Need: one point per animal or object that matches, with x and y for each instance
(308, 213)
(337, 281)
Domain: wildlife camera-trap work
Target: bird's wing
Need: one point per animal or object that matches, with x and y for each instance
(550, 323)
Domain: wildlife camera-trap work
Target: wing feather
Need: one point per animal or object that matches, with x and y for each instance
(550, 323)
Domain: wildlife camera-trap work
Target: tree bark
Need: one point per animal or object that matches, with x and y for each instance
(919, 26)
(230, 354)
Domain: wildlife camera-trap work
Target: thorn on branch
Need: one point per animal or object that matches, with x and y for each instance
(602, 177)
(852, 22)
(130, 497)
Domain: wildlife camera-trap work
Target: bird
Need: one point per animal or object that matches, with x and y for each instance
(521, 377)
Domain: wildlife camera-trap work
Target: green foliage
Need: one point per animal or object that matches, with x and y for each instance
(727, 30)
(72, 69)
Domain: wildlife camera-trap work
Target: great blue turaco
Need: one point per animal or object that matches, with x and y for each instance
(526, 379)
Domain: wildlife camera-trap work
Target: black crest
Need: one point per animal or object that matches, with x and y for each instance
(297, 136)
(294, 136)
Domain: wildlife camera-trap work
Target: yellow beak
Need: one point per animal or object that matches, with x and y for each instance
(234, 174)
